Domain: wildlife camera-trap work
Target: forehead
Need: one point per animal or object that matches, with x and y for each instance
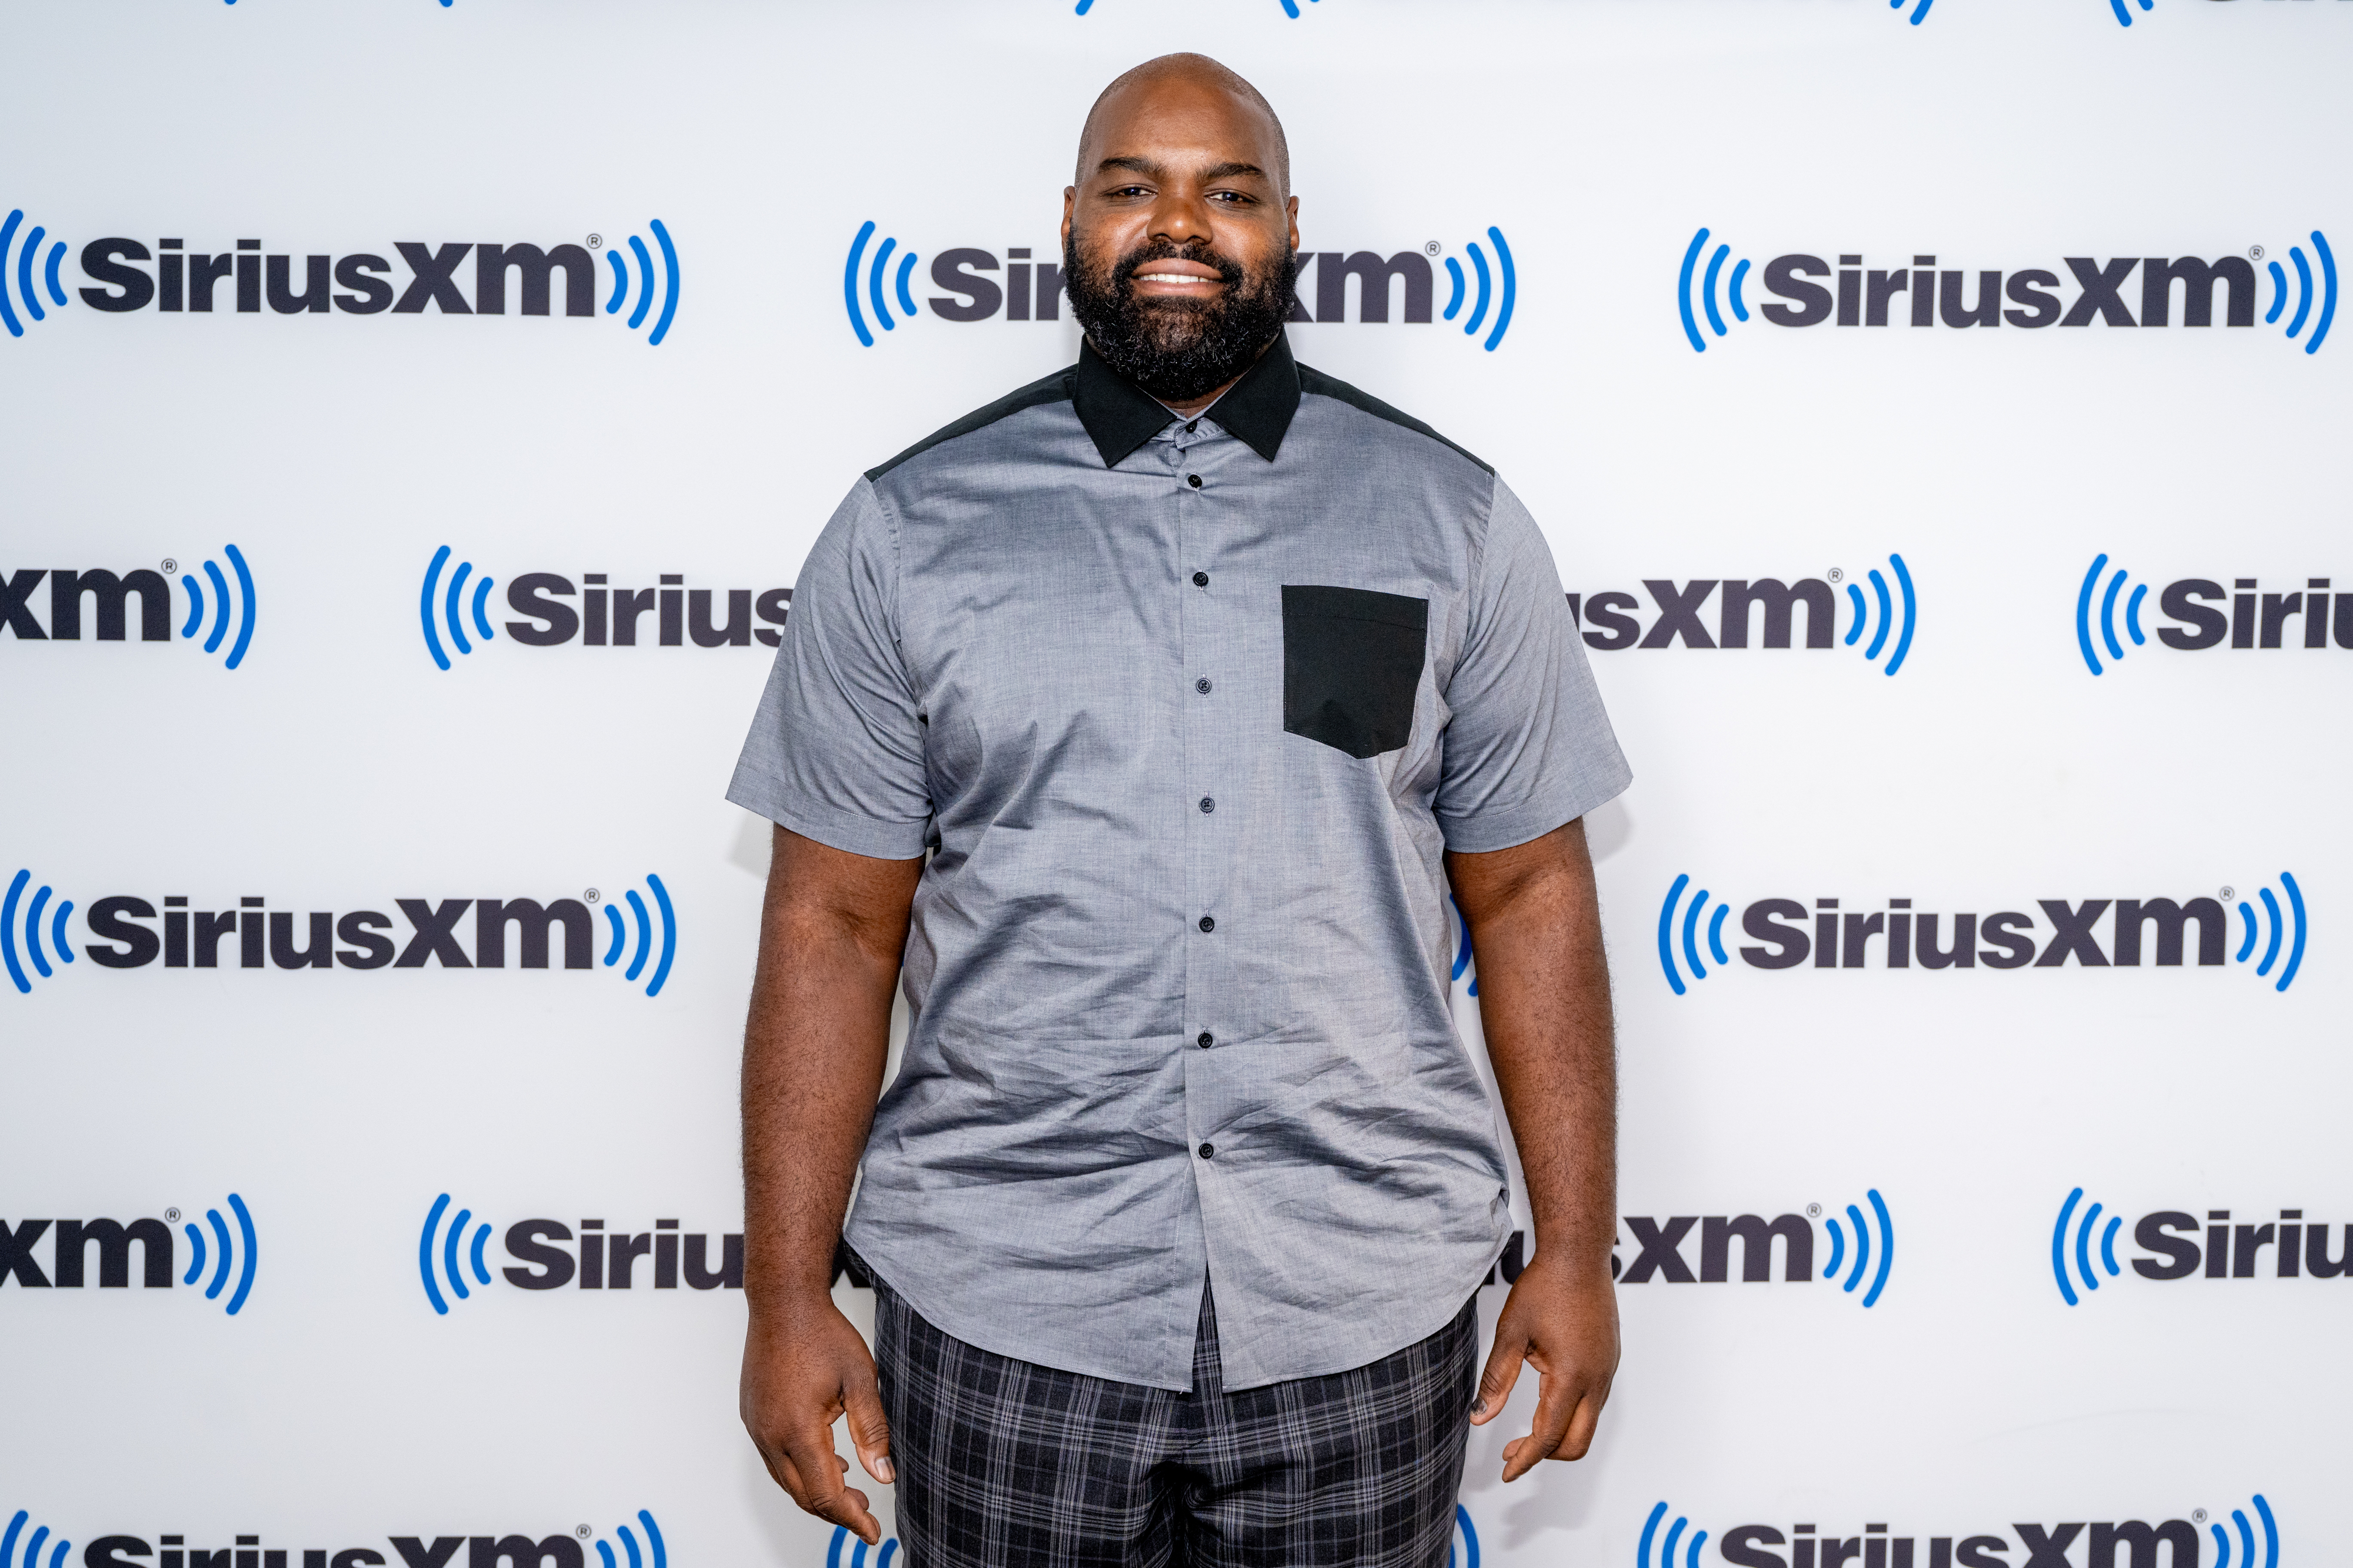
(1179, 116)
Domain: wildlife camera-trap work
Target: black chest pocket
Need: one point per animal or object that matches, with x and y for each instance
(1351, 663)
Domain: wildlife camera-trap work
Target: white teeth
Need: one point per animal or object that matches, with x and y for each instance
(1171, 278)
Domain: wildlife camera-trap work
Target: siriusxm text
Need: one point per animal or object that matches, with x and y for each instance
(255, 937)
(1922, 295)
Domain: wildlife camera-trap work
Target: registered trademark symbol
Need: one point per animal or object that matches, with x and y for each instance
(591, 895)
(170, 566)
(594, 241)
(1814, 1211)
(2227, 894)
(1836, 575)
(1432, 248)
(172, 1215)
(583, 1530)
(2256, 251)
(2198, 1515)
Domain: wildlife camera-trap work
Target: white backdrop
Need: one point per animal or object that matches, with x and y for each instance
(1979, 1391)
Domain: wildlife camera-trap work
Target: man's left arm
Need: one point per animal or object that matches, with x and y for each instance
(1544, 999)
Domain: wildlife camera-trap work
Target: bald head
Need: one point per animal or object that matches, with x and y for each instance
(1181, 85)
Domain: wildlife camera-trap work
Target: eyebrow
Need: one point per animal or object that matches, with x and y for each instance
(1146, 167)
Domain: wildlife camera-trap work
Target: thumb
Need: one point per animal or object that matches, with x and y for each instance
(870, 1430)
(1502, 1374)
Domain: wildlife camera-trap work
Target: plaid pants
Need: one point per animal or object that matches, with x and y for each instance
(1003, 1464)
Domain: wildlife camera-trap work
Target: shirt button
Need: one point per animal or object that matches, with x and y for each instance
(1193, 480)
(1209, 802)
(1190, 426)
(1208, 1151)
(1206, 1039)
(1200, 579)
(1202, 686)
(1209, 923)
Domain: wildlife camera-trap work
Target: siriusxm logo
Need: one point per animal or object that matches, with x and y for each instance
(2083, 1250)
(453, 610)
(1866, 297)
(226, 616)
(2255, 621)
(1766, 607)
(232, 1253)
(2126, 1544)
(1842, 939)
(643, 945)
(1864, 1247)
(1481, 298)
(519, 1549)
(450, 1264)
(358, 284)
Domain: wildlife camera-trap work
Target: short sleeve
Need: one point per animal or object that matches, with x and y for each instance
(836, 751)
(1528, 746)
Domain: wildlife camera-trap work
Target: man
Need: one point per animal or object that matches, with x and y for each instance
(1144, 717)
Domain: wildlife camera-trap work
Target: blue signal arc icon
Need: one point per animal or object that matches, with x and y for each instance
(1667, 1547)
(1704, 298)
(1501, 287)
(2277, 928)
(2105, 620)
(2305, 293)
(1874, 1251)
(238, 1254)
(441, 605)
(2082, 1247)
(656, 1555)
(2224, 1556)
(32, 1544)
(648, 281)
(224, 608)
(1883, 612)
(20, 297)
(1462, 1548)
(1920, 9)
(25, 923)
(1688, 930)
(656, 932)
(876, 274)
(857, 1548)
(444, 1255)
(2124, 17)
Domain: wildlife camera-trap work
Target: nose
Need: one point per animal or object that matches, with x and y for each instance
(1181, 217)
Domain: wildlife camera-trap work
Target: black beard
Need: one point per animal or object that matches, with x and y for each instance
(1178, 350)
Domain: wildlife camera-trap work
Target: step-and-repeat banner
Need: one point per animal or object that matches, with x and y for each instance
(415, 418)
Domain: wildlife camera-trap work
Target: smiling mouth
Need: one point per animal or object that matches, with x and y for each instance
(1187, 278)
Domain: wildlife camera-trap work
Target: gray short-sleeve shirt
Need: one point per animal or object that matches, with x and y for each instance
(1185, 714)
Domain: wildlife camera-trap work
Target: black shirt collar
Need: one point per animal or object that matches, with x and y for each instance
(1121, 416)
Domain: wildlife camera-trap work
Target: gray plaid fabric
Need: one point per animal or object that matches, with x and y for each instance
(1004, 1464)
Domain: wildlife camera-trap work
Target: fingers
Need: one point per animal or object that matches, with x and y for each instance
(1502, 1375)
(1556, 1404)
(808, 1468)
(870, 1430)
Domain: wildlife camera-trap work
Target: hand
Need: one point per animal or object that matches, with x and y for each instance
(1568, 1330)
(803, 1368)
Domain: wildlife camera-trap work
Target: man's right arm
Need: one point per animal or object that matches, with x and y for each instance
(831, 934)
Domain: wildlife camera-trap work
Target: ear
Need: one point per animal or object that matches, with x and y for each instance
(1290, 205)
(1071, 200)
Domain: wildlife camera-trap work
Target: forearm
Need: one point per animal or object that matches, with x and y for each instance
(1544, 992)
(814, 1050)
